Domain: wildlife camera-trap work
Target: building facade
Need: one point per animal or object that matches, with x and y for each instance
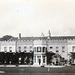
(38, 50)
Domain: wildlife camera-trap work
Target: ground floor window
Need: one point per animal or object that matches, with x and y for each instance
(73, 48)
(19, 59)
(34, 59)
(43, 59)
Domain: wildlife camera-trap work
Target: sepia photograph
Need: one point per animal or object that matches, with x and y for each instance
(37, 37)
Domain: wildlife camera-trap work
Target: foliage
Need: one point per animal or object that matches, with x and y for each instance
(49, 56)
(6, 37)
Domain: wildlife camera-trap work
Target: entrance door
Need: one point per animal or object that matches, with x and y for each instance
(39, 61)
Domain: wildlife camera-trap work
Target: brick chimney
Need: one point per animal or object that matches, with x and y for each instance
(49, 34)
(19, 35)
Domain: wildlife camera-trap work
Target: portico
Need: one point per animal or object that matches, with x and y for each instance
(40, 56)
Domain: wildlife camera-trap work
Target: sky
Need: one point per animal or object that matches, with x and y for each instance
(33, 17)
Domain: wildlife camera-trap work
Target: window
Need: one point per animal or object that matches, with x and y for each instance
(63, 48)
(39, 57)
(5, 49)
(73, 48)
(25, 48)
(31, 51)
(10, 49)
(20, 59)
(34, 49)
(38, 49)
(19, 49)
(43, 59)
(34, 59)
(44, 49)
(30, 46)
(63, 51)
(51, 47)
(25, 51)
(57, 49)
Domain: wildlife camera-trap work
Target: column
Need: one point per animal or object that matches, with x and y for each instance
(41, 60)
(41, 49)
(36, 59)
(45, 60)
(36, 49)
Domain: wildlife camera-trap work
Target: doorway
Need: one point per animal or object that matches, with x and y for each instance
(39, 61)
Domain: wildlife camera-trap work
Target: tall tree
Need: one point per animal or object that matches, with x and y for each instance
(6, 37)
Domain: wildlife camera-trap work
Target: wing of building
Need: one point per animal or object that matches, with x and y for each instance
(38, 50)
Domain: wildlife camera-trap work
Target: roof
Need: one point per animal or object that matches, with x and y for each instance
(13, 39)
(44, 38)
(62, 37)
(33, 38)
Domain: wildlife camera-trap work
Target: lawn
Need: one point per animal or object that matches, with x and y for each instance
(68, 70)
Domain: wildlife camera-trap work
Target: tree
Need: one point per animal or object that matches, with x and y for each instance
(6, 37)
(49, 56)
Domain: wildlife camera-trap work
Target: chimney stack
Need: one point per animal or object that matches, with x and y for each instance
(19, 35)
(49, 34)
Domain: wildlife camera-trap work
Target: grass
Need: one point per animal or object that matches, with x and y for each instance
(68, 70)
